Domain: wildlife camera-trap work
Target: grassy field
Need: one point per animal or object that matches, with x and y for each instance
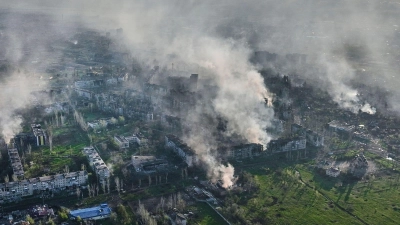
(205, 215)
(68, 143)
(297, 193)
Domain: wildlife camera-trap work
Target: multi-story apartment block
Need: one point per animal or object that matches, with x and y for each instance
(244, 151)
(181, 149)
(286, 145)
(16, 164)
(54, 182)
(97, 164)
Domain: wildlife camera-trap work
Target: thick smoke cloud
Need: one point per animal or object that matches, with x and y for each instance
(348, 44)
(15, 95)
(26, 54)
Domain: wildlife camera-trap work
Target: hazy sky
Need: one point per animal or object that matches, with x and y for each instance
(347, 42)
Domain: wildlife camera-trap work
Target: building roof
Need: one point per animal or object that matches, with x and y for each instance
(103, 211)
(334, 169)
(120, 139)
(37, 130)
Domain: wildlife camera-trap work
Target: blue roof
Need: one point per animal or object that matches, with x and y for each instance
(87, 213)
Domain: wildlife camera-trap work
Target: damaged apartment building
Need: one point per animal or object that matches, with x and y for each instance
(15, 160)
(123, 142)
(181, 149)
(241, 151)
(313, 138)
(349, 132)
(97, 164)
(10, 191)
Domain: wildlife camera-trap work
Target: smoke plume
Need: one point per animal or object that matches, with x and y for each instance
(349, 45)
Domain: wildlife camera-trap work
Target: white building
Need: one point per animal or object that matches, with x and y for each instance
(121, 141)
(133, 139)
(97, 164)
(54, 182)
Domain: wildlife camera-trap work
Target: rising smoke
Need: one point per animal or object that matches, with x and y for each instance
(340, 38)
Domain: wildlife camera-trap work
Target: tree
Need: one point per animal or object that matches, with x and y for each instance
(117, 184)
(145, 215)
(114, 217)
(103, 124)
(66, 169)
(63, 215)
(50, 222)
(123, 215)
(78, 192)
(113, 121)
(29, 149)
(103, 186)
(14, 177)
(121, 119)
(6, 179)
(108, 185)
(29, 219)
(89, 190)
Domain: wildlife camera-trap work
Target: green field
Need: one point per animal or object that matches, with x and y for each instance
(297, 193)
(68, 143)
(205, 215)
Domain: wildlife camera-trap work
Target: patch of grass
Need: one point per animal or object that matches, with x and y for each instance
(205, 215)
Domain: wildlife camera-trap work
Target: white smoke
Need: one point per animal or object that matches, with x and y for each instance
(15, 95)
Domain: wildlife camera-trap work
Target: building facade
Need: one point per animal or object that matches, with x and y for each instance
(39, 134)
(181, 149)
(97, 164)
(286, 145)
(28, 187)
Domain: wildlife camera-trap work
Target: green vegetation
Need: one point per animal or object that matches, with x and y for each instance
(348, 155)
(123, 216)
(68, 151)
(205, 215)
(297, 193)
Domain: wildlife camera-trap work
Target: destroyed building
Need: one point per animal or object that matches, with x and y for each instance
(242, 151)
(148, 164)
(358, 166)
(98, 165)
(18, 169)
(39, 134)
(287, 144)
(181, 149)
(124, 142)
(333, 171)
(313, 138)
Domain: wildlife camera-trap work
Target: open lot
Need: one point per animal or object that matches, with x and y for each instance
(298, 193)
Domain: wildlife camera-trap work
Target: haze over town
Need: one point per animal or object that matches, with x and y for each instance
(223, 96)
